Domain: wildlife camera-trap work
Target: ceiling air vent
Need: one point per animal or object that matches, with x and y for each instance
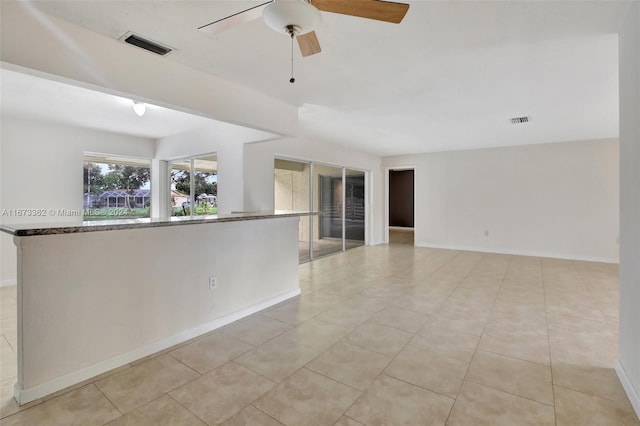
(518, 120)
(145, 44)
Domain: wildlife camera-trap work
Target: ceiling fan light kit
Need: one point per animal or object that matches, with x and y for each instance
(282, 16)
(300, 18)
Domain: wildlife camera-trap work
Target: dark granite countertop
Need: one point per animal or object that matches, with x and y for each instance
(32, 229)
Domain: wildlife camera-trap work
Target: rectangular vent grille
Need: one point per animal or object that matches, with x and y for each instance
(518, 120)
(146, 44)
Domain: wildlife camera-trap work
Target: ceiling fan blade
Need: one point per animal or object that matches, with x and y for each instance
(309, 44)
(230, 21)
(371, 9)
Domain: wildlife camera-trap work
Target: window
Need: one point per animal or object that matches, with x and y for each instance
(194, 186)
(116, 187)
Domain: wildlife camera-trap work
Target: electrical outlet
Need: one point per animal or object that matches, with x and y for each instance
(213, 283)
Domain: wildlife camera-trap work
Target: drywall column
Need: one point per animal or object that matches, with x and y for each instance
(160, 202)
(628, 364)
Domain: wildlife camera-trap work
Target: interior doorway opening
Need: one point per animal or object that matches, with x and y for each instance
(401, 217)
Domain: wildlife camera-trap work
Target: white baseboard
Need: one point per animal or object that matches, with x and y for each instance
(632, 393)
(521, 253)
(8, 283)
(24, 396)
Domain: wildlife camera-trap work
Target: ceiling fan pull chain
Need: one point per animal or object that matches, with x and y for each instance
(292, 80)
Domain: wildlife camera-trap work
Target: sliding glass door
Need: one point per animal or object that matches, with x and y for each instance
(354, 208)
(292, 191)
(338, 194)
(328, 197)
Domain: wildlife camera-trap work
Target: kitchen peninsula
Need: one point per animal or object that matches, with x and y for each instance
(94, 296)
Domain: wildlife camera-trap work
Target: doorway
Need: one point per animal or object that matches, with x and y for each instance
(401, 206)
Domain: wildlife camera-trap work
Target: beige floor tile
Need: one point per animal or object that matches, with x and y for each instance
(293, 312)
(479, 405)
(210, 352)
(8, 309)
(529, 347)
(579, 409)
(9, 325)
(389, 401)
(307, 398)
(525, 322)
(86, 382)
(8, 360)
(420, 303)
(345, 317)
(145, 382)
(512, 375)
(366, 303)
(12, 339)
(346, 421)
(511, 306)
(257, 330)
(450, 343)
(399, 318)
(597, 381)
(385, 291)
(462, 323)
(592, 359)
(221, 393)
(349, 364)
(251, 416)
(8, 404)
(483, 296)
(577, 310)
(320, 299)
(488, 282)
(278, 358)
(429, 370)
(316, 334)
(163, 411)
(522, 294)
(466, 305)
(170, 349)
(9, 291)
(597, 349)
(379, 338)
(86, 406)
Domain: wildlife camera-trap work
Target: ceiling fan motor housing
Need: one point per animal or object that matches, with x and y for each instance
(282, 15)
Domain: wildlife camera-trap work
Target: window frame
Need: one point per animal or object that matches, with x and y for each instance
(93, 157)
(192, 196)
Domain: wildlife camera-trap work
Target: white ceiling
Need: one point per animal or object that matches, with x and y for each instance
(448, 77)
(26, 95)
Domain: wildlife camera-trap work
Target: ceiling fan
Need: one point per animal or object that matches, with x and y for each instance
(299, 18)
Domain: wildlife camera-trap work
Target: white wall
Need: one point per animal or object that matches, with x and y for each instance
(41, 168)
(259, 174)
(628, 366)
(557, 200)
(228, 143)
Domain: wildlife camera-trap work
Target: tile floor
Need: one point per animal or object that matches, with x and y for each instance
(384, 335)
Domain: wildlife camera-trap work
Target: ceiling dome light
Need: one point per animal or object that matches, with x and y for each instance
(139, 108)
(281, 15)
